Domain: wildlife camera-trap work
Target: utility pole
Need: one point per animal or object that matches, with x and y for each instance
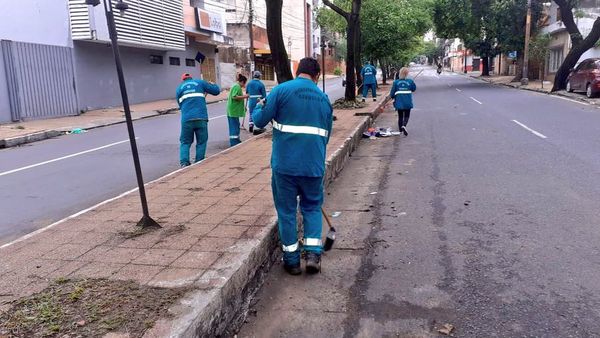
(525, 79)
(323, 62)
(251, 32)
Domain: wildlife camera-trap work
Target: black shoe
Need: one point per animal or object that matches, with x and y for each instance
(258, 131)
(313, 263)
(404, 131)
(251, 128)
(363, 100)
(374, 100)
(293, 270)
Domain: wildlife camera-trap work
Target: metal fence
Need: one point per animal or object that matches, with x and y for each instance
(41, 80)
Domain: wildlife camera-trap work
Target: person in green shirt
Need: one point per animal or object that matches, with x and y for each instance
(236, 109)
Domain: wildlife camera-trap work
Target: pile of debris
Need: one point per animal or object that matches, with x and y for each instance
(374, 133)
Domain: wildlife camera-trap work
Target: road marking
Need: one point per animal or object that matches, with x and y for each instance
(529, 129)
(458, 90)
(474, 99)
(216, 117)
(63, 158)
(572, 100)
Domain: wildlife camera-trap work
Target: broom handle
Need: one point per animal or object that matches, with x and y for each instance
(326, 217)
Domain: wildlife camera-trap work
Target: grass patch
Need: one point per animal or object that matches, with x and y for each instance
(88, 308)
(343, 104)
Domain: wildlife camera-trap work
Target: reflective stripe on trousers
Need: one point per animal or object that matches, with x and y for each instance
(187, 96)
(402, 92)
(290, 248)
(286, 128)
(313, 242)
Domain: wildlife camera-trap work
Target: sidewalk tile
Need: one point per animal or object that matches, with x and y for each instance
(196, 260)
(239, 219)
(97, 270)
(67, 252)
(228, 231)
(144, 241)
(214, 244)
(139, 273)
(199, 229)
(207, 218)
(182, 241)
(162, 257)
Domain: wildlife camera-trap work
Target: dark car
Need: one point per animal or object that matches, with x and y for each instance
(586, 77)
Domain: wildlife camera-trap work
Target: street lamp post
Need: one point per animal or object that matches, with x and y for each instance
(525, 78)
(146, 221)
(323, 62)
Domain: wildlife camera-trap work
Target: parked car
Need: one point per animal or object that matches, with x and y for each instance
(585, 77)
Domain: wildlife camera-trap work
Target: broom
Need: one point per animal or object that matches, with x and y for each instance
(330, 234)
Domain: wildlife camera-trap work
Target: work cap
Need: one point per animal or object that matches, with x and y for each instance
(185, 76)
(257, 74)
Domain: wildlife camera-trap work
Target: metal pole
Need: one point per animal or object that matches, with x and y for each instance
(525, 79)
(323, 58)
(250, 29)
(146, 220)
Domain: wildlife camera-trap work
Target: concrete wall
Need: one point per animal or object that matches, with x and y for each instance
(96, 78)
(38, 21)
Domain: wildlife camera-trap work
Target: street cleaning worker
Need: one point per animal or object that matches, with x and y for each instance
(191, 97)
(302, 119)
(401, 92)
(256, 91)
(236, 109)
(368, 74)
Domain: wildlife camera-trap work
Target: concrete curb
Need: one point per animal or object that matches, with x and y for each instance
(517, 86)
(218, 311)
(46, 134)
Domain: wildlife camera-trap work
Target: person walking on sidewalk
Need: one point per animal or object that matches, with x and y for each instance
(191, 98)
(236, 109)
(302, 120)
(369, 74)
(256, 91)
(401, 92)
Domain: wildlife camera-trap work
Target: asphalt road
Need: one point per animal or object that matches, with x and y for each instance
(486, 218)
(33, 197)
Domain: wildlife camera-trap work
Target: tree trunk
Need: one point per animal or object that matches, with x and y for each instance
(351, 31)
(275, 35)
(357, 58)
(560, 80)
(519, 69)
(384, 73)
(485, 61)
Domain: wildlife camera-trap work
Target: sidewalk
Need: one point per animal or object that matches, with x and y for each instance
(534, 85)
(13, 134)
(218, 239)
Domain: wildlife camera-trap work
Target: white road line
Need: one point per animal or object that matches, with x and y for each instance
(216, 117)
(572, 100)
(474, 99)
(458, 90)
(538, 134)
(62, 158)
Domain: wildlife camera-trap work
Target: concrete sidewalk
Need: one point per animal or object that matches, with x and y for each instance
(218, 236)
(536, 86)
(14, 134)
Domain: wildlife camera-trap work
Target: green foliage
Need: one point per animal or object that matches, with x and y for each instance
(538, 47)
(337, 71)
(389, 28)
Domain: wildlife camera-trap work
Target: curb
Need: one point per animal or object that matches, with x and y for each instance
(46, 134)
(222, 310)
(561, 94)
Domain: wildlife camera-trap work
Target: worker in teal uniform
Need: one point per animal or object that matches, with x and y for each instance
(302, 118)
(369, 75)
(256, 91)
(401, 92)
(191, 98)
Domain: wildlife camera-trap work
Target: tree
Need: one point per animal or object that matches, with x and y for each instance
(538, 51)
(580, 45)
(275, 35)
(487, 27)
(352, 18)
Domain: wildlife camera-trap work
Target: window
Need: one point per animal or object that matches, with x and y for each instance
(156, 59)
(173, 61)
(556, 58)
(190, 62)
